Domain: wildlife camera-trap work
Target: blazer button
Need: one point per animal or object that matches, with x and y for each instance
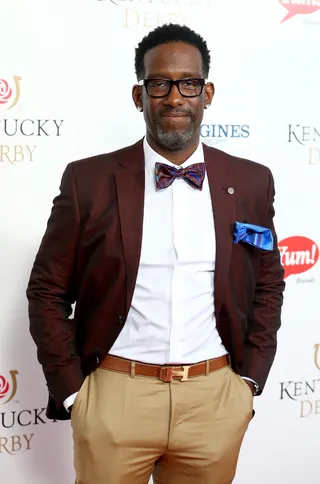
(121, 319)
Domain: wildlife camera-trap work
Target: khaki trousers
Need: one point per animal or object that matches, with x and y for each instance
(126, 429)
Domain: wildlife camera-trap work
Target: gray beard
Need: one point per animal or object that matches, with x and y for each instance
(172, 140)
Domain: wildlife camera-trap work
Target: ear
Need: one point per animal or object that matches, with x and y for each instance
(137, 96)
(208, 94)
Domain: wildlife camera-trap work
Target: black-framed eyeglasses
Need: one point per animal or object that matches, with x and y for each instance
(157, 88)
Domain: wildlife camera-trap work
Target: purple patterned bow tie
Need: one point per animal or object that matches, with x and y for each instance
(193, 174)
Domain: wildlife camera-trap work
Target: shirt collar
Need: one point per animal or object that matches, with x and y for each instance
(152, 157)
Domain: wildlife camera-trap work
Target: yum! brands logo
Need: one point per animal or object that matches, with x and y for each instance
(298, 255)
(301, 7)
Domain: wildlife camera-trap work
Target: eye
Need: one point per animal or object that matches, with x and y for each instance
(189, 83)
(158, 84)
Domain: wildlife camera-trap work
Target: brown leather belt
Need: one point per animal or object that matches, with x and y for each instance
(166, 373)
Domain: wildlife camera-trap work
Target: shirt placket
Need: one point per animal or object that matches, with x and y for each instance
(175, 353)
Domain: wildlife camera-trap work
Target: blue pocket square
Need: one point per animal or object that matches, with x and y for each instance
(254, 235)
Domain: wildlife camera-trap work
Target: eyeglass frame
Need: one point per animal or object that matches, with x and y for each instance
(145, 82)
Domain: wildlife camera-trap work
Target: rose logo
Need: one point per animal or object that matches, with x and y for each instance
(8, 389)
(4, 386)
(5, 91)
(9, 93)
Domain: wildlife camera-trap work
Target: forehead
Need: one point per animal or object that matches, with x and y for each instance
(173, 60)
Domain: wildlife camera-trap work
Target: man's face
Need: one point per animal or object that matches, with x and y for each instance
(173, 121)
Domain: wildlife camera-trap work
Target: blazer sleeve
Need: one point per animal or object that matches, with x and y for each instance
(264, 318)
(52, 291)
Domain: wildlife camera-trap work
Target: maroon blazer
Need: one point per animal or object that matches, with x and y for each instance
(90, 255)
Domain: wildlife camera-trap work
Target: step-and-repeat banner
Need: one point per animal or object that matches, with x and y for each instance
(66, 73)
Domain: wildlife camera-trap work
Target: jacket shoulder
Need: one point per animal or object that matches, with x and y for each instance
(104, 162)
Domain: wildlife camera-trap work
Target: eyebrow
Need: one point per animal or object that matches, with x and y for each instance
(184, 75)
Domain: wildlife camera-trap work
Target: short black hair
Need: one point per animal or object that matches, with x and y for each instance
(166, 34)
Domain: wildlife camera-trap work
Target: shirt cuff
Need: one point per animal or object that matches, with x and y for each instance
(69, 401)
(252, 381)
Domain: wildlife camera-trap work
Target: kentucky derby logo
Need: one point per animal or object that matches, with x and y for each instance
(298, 254)
(305, 392)
(302, 7)
(307, 136)
(8, 390)
(317, 355)
(9, 92)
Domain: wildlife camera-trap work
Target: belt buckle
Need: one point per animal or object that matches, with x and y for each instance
(174, 373)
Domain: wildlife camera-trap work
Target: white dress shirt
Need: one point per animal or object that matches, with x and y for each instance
(172, 319)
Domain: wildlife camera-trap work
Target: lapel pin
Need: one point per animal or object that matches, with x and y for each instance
(230, 191)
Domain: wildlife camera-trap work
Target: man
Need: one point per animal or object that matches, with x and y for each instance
(168, 249)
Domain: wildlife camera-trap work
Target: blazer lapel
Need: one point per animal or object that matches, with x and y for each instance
(130, 183)
(223, 196)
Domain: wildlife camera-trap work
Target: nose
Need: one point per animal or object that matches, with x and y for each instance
(174, 98)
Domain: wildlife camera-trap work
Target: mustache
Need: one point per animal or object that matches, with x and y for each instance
(164, 111)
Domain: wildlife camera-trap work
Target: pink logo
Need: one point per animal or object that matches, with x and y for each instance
(9, 92)
(4, 386)
(303, 7)
(298, 254)
(5, 91)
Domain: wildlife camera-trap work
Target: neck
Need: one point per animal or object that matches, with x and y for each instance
(177, 157)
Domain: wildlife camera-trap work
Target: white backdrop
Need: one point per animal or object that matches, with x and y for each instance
(66, 73)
